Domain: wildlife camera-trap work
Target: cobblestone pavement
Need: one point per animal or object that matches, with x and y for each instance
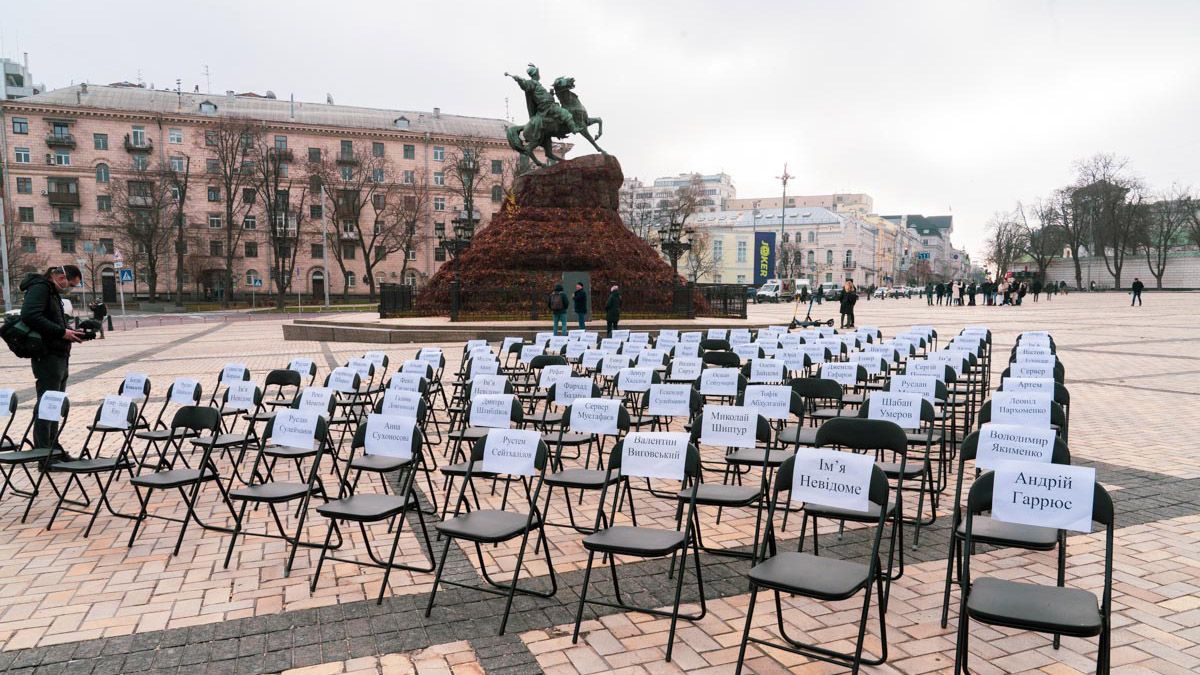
(75, 605)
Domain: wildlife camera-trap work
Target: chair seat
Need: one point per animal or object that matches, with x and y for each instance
(871, 515)
(259, 416)
(754, 456)
(918, 438)
(718, 494)
(24, 456)
(551, 439)
(287, 452)
(172, 478)
(273, 492)
(986, 530)
(94, 465)
(812, 576)
(280, 402)
(364, 508)
(460, 469)
(7, 444)
(581, 478)
(165, 434)
(468, 434)
(807, 435)
(486, 526)
(104, 428)
(223, 440)
(546, 418)
(829, 413)
(892, 469)
(854, 399)
(1047, 609)
(378, 463)
(641, 420)
(638, 541)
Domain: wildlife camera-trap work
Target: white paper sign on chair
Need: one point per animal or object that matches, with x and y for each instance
(417, 367)
(511, 451)
(363, 367)
(294, 428)
(479, 367)
(766, 370)
(792, 357)
(6, 402)
(1030, 385)
(691, 337)
(718, 333)
(832, 478)
(430, 355)
(508, 342)
(613, 363)
(635, 379)
(114, 411)
(406, 382)
(845, 374)
(557, 342)
(399, 403)
(1008, 442)
(570, 389)
(485, 385)
(1031, 370)
(747, 350)
(575, 350)
(530, 352)
(728, 426)
(903, 409)
(233, 372)
(241, 395)
(670, 400)
(654, 454)
(923, 368)
(491, 410)
(611, 345)
(591, 358)
(772, 401)
(620, 335)
(134, 386)
(595, 416)
(872, 363)
(689, 350)
(344, 380)
(553, 374)
(302, 366)
(50, 406)
(1040, 357)
(924, 386)
(183, 391)
(666, 342)
(1011, 407)
(316, 400)
(1046, 495)
(389, 435)
(377, 359)
(719, 382)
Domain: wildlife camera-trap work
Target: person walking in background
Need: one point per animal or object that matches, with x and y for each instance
(558, 309)
(99, 312)
(972, 289)
(849, 297)
(1137, 288)
(940, 290)
(581, 305)
(612, 309)
(929, 294)
(1021, 291)
(42, 311)
(962, 290)
(1036, 289)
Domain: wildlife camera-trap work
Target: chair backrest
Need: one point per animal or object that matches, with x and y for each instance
(816, 388)
(623, 420)
(862, 434)
(197, 418)
(360, 440)
(283, 377)
(1061, 454)
(979, 500)
(714, 344)
(1057, 417)
(878, 493)
(721, 359)
(762, 429)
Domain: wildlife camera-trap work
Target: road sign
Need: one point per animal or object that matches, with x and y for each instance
(256, 282)
(126, 276)
(117, 264)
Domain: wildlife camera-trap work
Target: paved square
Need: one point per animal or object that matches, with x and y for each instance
(69, 604)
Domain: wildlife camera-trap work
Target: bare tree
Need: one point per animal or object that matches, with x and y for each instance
(789, 261)
(403, 223)
(353, 181)
(234, 147)
(682, 205)
(21, 260)
(701, 261)
(1074, 230)
(636, 212)
(177, 180)
(1043, 242)
(1167, 220)
(282, 201)
(1004, 241)
(1109, 198)
(143, 217)
(95, 255)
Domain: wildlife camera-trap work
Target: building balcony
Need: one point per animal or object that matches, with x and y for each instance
(282, 154)
(60, 227)
(141, 201)
(348, 236)
(63, 198)
(347, 158)
(60, 140)
(849, 265)
(146, 145)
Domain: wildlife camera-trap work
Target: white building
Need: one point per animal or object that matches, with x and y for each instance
(18, 82)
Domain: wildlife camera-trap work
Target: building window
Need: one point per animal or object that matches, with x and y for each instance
(318, 251)
(29, 244)
(252, 275)
(377, 175)
(248, 195)
(177, 164)
(20, 125)
(66, 215)
(718, 248)
(497, 167)
(315, 211)
(412, 253)
(410, 151)
(281, 142)
(60, 130)
(21, 155)
(25, 214)
(314, 154)
(24, 186)
(828, 257)
(284, 167)
(138, 136)
(439, 254)
(785, 237)
(377, 149)
(349, 279)
(208, 107)
(284, 252)
(410, 177)
(410, 278)
(68, 244)
(828, 277)
(348, 251)
(103, 203)
(106, 245)
(849, 258)
(741, 251)
(100, 141)
(250, 223)
(347, 173)
(175, 136)
(924, 242)
(210, 138)
(62, 158)
(380, 253)
(141, 163)
(439, 178)
(378, 201)
(176, 192)
(347, 149)
(214, 221)
(214, 193)
(741, 278)
(439, 230)
(439, 203)
(812, 237)
(216, 249)
(212, 166)
(497, 193)
(439, 153)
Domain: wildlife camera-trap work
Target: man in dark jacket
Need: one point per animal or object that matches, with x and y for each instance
(612, 309)
(581, 306)
(1137, 288)
(42, 311)
(558, 308)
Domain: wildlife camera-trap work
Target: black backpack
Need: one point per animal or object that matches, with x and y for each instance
(22, 340)
(558, 302)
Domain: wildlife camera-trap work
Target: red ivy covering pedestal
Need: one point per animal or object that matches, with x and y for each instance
(563, 218)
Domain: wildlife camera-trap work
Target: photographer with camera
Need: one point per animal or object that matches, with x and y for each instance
(42, 311)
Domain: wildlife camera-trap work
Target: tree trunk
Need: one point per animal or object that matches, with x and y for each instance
(1078, 268)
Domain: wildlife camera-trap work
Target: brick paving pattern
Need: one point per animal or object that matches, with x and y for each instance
(69, 604)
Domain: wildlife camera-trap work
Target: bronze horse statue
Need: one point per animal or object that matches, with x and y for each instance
(550, 118)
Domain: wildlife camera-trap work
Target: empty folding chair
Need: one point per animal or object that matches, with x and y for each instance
(184, 392)
(8, 409)
(593, 419)
(52, 412)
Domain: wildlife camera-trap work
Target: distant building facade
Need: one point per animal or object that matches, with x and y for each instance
(859, 203)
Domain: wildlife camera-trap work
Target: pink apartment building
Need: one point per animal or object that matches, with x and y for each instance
(63, 150)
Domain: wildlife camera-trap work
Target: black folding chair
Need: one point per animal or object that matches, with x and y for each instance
(820, 578)
(492, 526)
(181, 394)
(1073, 612)
(53, 409)
(643, 542)
(8, 408)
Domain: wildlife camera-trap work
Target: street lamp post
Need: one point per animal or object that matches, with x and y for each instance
(464, 227)
(673, 245)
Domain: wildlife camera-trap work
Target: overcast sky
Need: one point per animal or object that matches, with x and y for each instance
(958, 107)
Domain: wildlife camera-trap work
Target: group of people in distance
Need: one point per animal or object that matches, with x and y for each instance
(1003, 292)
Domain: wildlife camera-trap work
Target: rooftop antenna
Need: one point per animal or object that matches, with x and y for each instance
(207, 80)
(507, 114)
(139, 78)
(179, 93)
(292, 107)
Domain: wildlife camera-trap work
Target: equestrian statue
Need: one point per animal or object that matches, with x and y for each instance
(556, 113)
